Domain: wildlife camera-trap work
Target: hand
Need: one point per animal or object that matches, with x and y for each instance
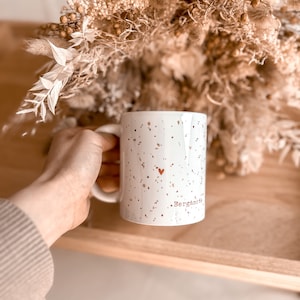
(59, 199)
(109, 177)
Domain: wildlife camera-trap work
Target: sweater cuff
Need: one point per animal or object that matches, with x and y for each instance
(26, 264)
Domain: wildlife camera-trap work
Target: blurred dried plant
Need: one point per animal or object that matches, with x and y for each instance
(236, 61)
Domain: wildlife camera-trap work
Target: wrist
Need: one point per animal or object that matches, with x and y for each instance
(38, 201)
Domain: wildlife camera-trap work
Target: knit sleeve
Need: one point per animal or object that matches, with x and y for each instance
(26, 265)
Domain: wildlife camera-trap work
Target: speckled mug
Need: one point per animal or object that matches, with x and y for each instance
(162, 167)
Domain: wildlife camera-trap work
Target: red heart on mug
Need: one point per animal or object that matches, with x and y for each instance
(161, 171)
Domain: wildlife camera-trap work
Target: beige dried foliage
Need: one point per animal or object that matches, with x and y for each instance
(237, 61)
(42, 46)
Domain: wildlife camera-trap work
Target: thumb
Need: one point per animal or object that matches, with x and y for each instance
(108, 141)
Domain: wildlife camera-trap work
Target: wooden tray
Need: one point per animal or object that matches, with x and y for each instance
(252, 225)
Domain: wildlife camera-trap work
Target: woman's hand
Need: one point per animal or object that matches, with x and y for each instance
(59, 199)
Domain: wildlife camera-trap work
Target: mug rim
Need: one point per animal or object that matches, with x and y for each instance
(167, 112)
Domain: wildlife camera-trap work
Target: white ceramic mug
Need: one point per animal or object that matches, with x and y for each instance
(162, 167)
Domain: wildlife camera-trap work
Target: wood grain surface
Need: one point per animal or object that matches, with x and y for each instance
(252, 224)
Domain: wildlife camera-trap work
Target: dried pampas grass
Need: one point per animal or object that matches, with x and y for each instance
(237, 61)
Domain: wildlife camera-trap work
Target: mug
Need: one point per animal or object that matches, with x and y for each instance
(162, 167)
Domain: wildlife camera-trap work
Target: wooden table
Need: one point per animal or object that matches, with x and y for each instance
(252, 225)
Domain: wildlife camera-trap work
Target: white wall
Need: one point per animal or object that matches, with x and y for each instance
(31, 10)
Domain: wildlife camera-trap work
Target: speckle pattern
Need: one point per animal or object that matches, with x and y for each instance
(163, 166)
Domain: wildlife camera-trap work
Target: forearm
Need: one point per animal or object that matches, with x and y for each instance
(26, 266)
(47, 204)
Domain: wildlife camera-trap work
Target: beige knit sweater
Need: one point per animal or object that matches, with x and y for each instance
(26, 265)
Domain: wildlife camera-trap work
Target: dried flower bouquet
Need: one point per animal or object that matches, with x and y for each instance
(238, 61)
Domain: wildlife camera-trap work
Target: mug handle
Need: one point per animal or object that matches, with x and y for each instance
(96, 191)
